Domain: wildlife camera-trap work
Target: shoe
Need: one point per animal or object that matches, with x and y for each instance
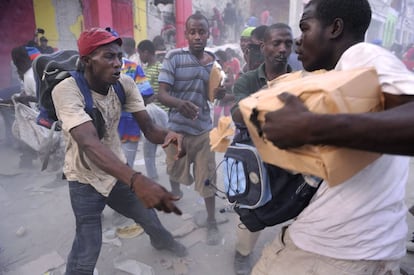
(175, 248)
(242, 264)
(410, 245)
(213, 234)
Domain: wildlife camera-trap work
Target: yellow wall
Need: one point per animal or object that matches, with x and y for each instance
(45, 18)
(140, 20)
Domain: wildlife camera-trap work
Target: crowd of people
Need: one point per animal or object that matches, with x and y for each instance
(356, 227)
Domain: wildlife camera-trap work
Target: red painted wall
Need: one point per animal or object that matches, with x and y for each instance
(122, 16)
(183, 9)
(17, 26)
(106, 13)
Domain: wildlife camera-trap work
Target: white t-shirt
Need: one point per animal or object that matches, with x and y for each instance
(29, 83)
(362, 218)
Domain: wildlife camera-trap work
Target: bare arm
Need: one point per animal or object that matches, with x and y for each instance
(390, 131)
(158, 135)
(186, 108)
(150, 193)
(237, 116)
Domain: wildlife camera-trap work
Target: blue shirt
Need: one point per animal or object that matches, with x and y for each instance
(189, 81)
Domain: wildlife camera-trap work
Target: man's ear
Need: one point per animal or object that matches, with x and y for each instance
(337, 27)
(85, 60)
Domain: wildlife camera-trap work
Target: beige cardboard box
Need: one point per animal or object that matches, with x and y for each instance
(352, 91)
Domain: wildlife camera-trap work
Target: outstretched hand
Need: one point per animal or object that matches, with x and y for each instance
(154, 195)
(177, 140)
(289, 126)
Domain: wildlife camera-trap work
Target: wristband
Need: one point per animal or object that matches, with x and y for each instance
(131, 181)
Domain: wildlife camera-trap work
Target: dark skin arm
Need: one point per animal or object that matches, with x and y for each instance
(158, 135)
(390, 131)
(237, 116)
(149, 192)
(185, 107)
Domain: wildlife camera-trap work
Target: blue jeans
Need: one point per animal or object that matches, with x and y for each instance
(87, 205)
(130, 150)
(150, 150)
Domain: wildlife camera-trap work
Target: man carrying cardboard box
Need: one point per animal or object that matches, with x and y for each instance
(357, 226)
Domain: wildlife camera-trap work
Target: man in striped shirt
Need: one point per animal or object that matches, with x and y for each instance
(183, 82)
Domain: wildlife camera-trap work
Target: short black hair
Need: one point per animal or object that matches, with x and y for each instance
(197, 16)
(21, 60)
(276, 26)
(146, 45)
(356, 14)
(259, 32)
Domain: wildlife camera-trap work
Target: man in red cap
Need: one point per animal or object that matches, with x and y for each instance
(95, 167)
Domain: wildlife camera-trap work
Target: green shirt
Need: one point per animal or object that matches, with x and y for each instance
(152, 72)
(249, 83)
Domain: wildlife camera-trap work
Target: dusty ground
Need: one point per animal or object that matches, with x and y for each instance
(37, 228)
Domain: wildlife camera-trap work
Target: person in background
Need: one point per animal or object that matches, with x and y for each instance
(218, 29)
(22, 58)
(408, 58)
(155, 109)
(230, 21)
(224, 105)
(128, 46)
(43, 47)
(358, 226)
(128, 128)
(276, 48)
(254, 54)
(233, 62)
(184, 79)
(96, 167)
(160, 48)
(245, 40)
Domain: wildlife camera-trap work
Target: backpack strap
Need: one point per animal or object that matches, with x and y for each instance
(84, 88)
(120, 92)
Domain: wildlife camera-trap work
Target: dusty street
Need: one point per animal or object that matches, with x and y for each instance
(37, 228)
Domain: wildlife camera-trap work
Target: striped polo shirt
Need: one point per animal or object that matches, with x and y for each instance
(189, 81)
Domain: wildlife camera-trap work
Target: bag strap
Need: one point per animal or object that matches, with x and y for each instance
(120, 92)
(84, 88)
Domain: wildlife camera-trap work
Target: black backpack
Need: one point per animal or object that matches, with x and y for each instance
(48, 71)
(263, 194)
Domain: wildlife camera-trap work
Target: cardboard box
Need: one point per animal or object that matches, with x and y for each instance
(352, 91)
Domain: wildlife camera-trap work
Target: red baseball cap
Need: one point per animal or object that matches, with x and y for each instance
(92, 39)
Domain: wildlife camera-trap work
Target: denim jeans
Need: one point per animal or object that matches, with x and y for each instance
(130, 150)
(87, 205)
(150, 151)
(160, 118)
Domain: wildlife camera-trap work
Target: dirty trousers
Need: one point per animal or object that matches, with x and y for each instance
(283, 257)
(87, 205)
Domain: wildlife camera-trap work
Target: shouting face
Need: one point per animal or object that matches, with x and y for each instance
(314, 47)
